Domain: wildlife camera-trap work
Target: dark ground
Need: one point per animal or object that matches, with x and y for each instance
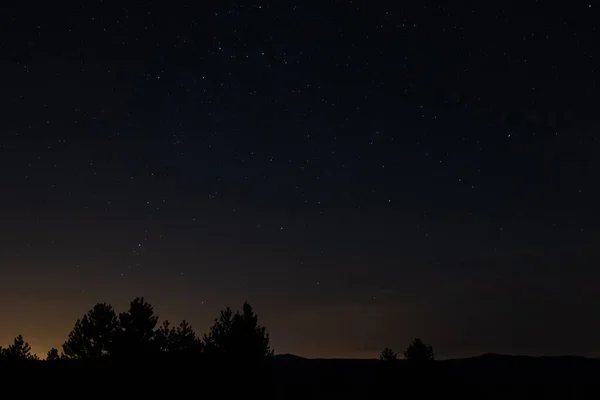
(486, 369)
(486, 375)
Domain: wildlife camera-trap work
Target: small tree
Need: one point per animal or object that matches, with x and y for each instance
(93, 335)
(52, 355)
(251, 339)
(184, 339)
(19, 350)
(163, 337)
(419, 351)
(218, 338)
(388, 355)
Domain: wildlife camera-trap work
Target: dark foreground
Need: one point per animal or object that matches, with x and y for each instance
(342, 375)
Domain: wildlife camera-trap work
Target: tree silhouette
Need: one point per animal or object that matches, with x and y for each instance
(419, 351)
(237, 339)
(19, 350)
(52, 355)
(217, 340)
(184, 339)
(136, 334)
(139, 321)
(179, 341)
(238, 336)
(93, 335)
(253, 339)
(163, 337)
(388, 355)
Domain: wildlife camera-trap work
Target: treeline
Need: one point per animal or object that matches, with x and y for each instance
(103, 336)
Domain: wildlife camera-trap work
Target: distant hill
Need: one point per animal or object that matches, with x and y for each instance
(485, 369)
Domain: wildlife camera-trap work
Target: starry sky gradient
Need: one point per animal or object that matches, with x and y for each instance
(361, 174)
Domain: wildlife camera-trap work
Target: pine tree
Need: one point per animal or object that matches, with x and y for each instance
(93, 335)
(19, 350)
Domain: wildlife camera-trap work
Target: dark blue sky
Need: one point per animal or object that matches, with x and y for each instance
(360, 174)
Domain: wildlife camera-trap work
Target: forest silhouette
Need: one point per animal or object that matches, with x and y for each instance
(237, 346)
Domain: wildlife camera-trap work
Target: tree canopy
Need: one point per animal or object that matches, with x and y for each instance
(238, 336)
(52, 355)
(135, 333)
(93, 335)
(388, 355)
(419, 351)
(19, 350)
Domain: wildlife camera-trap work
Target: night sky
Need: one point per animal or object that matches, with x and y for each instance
(361, 175)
